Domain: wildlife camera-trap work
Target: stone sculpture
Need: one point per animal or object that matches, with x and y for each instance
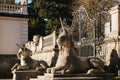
(27, 63)
(68, 62)
(34, 45)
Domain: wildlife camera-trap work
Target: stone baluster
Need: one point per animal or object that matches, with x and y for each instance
(12, 8)
(0, 7)
(17, 9)
(21, 9)
(8, 7)
(4, 7)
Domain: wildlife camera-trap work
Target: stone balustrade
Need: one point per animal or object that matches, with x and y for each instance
(13, 8)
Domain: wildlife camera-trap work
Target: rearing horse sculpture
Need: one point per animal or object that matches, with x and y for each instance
(68, 62)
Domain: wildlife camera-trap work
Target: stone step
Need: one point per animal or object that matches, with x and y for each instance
(41, 77)
(78, 78)
(105, 76)
(73, 78)
(79, 75)
(33, 79)
(69, 78)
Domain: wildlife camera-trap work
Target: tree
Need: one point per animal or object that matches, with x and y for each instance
(44, 15)
(97, 11)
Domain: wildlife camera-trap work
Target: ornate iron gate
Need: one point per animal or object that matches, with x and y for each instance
(85, 38)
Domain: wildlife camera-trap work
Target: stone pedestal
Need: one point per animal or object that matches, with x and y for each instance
(25, 74)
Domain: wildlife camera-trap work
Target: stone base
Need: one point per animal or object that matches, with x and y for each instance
(25, 74)
(104, 76)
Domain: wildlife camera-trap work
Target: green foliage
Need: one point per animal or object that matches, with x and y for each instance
(45, 15)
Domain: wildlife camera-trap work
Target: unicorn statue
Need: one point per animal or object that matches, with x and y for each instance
(68, 62)
(27, 63)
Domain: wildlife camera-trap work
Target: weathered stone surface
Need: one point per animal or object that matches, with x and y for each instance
(25, 74)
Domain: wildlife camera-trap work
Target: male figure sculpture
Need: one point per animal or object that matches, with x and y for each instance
(34, 45)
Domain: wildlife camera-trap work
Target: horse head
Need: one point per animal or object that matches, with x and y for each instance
(64, 36)
(63, 39)
(23, 52)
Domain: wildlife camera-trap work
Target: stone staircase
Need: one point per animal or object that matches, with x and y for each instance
(104, 76)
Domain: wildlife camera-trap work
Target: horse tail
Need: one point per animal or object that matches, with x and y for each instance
(95, 62)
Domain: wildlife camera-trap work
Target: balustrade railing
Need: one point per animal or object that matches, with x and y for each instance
(12, 8)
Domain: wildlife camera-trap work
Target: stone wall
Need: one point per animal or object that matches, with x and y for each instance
(15, 31)
(6, 63)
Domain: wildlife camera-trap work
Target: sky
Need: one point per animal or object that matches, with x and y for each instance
(17, 1)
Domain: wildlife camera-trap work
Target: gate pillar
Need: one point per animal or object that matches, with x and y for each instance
(113, 39)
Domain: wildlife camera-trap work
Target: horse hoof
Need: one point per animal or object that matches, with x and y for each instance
(38, 69)
(48, 70)
(90, 72)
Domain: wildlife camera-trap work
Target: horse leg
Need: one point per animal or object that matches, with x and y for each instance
(93, 71)
(50, 70)
(58, 69)
(15, 66)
